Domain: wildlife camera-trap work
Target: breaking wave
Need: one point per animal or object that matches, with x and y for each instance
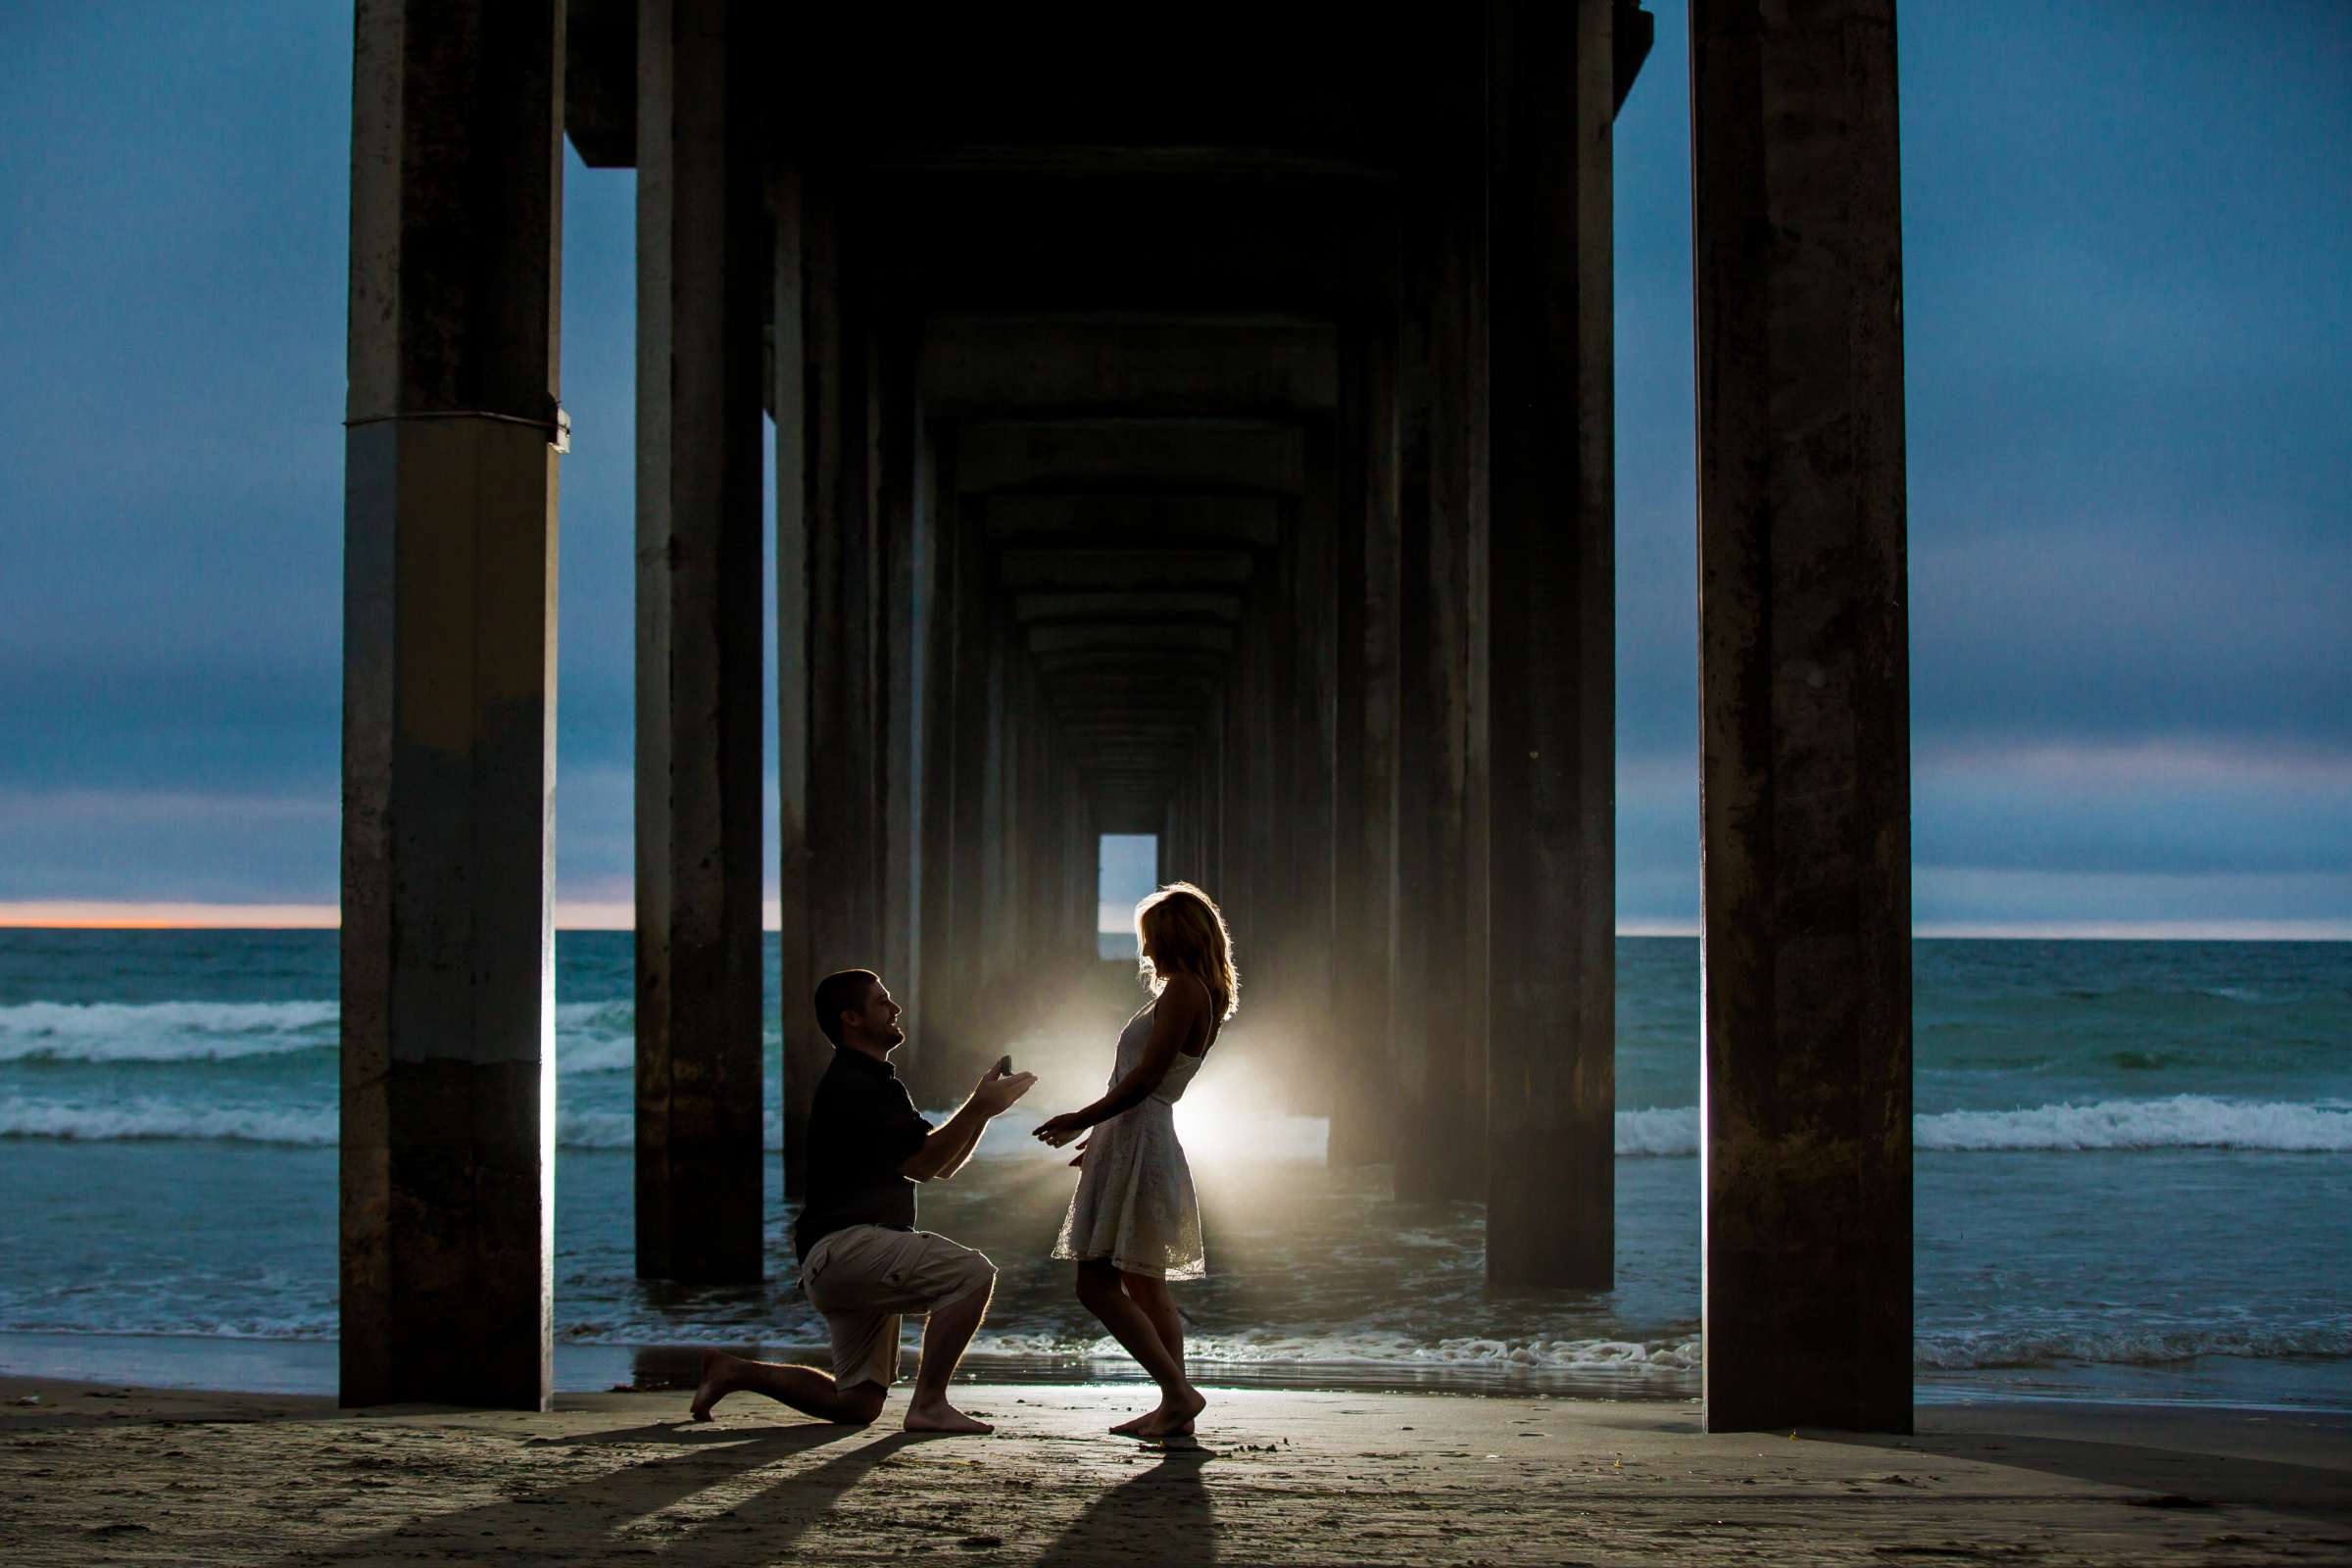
(164, 1031)
(2151, 1345)
(2184, 1121)
(591, 1037)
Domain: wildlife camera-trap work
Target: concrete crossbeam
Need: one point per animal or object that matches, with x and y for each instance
(995, 366)
(1139, 604)
(1240, 518)
(1140, 457)
(1125, 636)
(1142, 244)
(1123, 571)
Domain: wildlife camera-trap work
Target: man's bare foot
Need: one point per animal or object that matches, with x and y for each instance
(1173, 1418)
(936, 1414)
(715, 1385)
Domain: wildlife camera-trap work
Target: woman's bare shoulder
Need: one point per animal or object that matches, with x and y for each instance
(1187, 992)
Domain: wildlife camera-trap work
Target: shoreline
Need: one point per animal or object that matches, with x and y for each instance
(98, 1472)
(307, 1368)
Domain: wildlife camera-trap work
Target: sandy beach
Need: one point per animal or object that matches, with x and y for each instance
(99, 1474)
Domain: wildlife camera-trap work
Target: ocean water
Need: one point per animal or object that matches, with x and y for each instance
(2135, 1162)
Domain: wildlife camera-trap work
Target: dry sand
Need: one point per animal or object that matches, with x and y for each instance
(92, 1474)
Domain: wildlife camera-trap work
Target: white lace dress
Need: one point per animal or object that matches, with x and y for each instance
(1135, 1202)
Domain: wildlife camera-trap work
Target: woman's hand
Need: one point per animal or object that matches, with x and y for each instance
(1060, 1130)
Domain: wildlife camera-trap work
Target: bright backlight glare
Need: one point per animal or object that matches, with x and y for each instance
(1224, 1118)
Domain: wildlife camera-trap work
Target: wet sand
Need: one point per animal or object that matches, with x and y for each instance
(98, 1473)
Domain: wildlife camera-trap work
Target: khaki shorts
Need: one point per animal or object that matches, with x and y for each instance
(866, 1277)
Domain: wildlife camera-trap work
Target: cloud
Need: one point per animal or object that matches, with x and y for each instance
(2126, 405)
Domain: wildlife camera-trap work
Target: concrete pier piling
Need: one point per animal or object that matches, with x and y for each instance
(1222, 450)
(1550, 639)
(702, 246)
(1803, 690)
(447, 968)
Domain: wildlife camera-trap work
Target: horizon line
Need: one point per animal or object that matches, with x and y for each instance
(598, 915)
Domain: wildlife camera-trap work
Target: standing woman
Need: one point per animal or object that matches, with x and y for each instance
(1133, 1224)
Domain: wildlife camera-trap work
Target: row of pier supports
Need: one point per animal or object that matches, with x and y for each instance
(1240, 474)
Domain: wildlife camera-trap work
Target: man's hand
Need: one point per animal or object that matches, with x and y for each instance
(996, 1092)
(1080, 1162)
(1060, 1130)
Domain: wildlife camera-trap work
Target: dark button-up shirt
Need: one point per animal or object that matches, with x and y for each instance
(861, 1128)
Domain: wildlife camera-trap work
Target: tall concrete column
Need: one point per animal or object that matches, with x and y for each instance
(1442, 527)
(701, 254)
(999, 837)
(447, 951)
(1253, 871)
(896, 803)
(1310, 826)
(1804, 782)
(1550, 635)
(1366, 747)
(824, 540)
(797, 399)
(975, 742)
(938, 595)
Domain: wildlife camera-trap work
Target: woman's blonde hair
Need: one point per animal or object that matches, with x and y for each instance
(1180, 930)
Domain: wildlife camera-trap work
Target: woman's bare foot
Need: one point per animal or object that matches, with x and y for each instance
(933, 1413)
(716, 1384)
(1173, 1418)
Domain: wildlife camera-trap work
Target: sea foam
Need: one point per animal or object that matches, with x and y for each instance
(2139, 1346)
(2184, 1121)
(591, 1037)
(163, 1031)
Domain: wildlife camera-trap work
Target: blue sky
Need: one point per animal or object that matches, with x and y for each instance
(2127, 234)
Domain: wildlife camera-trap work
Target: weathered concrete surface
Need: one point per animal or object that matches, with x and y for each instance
(897, 793)
(827, 563)
(797, 401)
(700, 271)
(939, 598)
(1277, 1477)
(1551, 1045)
(1169, 366)
(1141, 455)
(1366, 752)
(1804, 783)
(449, 683)
(1440, 1003)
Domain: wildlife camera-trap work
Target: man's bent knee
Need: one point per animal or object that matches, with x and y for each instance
(975, 1279)
(860, 1403)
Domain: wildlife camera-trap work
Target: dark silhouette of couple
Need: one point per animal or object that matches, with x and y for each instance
(1133, 1225)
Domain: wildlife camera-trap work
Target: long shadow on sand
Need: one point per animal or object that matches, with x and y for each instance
(590, 1513)
(2168, 1478)
(1163, 1512)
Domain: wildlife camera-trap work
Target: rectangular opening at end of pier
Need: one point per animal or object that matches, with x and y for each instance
(1126, 868)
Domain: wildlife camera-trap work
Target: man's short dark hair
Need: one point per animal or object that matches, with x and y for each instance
(842, 992)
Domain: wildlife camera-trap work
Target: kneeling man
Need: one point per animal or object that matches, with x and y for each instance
(863, 1263)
